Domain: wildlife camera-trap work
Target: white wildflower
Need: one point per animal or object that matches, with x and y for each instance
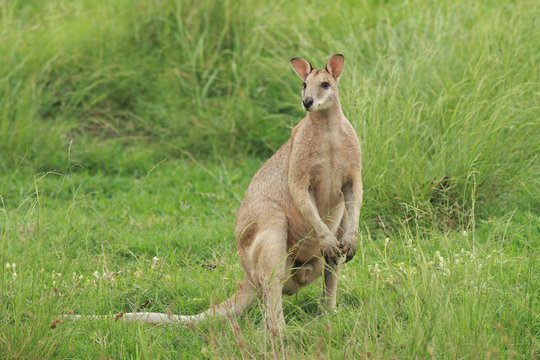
(374, 269)
(441, 264)
(154, 262)
(410, 271)
(440, 259)
(8, 265)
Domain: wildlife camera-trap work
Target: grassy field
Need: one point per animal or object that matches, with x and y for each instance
(129, 131)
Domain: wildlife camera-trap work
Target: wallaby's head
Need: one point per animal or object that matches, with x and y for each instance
(320, 87)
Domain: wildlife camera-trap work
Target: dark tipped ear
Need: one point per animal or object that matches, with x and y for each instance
(302, 67)
(335, 65)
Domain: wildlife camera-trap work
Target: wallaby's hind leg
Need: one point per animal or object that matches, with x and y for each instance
(268, 258)
(331, 273)
(331, 277)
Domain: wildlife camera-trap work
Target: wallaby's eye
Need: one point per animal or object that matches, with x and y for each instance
(303, 85)
(325, 85)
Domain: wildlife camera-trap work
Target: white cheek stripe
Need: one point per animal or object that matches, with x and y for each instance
(320, 103)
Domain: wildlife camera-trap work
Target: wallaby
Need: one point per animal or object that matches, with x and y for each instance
(299, 216)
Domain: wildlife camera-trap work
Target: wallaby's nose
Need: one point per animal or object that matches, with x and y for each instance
(307, 102)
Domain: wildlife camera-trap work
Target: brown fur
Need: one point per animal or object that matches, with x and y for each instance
(304, 200)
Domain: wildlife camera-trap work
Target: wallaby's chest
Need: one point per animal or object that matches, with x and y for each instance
(328, 165)
(328, 173)
(321, 155)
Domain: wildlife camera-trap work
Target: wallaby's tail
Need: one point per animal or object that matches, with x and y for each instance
(233, 306)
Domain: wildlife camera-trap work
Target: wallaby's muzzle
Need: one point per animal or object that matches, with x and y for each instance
(307, 102)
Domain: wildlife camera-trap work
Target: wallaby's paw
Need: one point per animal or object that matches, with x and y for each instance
(330, 249)
(348, 246)
(330, 259)
(349, 250)
(275, 326)
(332, 255)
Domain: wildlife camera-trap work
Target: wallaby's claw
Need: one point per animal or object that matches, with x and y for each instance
(348, 247)
(332, 253)
(330, 259)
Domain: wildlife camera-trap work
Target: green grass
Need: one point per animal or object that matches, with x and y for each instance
(129, 132)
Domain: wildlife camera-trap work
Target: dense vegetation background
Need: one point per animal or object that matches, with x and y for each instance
(129, 131)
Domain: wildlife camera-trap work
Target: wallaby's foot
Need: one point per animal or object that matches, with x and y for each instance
(328, 301)
(276, 331)
(275, 322)
(325, 308)
(331, 278)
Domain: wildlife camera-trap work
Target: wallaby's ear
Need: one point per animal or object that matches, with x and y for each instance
(335, 65)
(302, 67)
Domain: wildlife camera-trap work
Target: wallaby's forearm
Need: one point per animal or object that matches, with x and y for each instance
(303, 198)
(352, 194)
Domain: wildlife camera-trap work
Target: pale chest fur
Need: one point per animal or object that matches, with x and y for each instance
(329, 169)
